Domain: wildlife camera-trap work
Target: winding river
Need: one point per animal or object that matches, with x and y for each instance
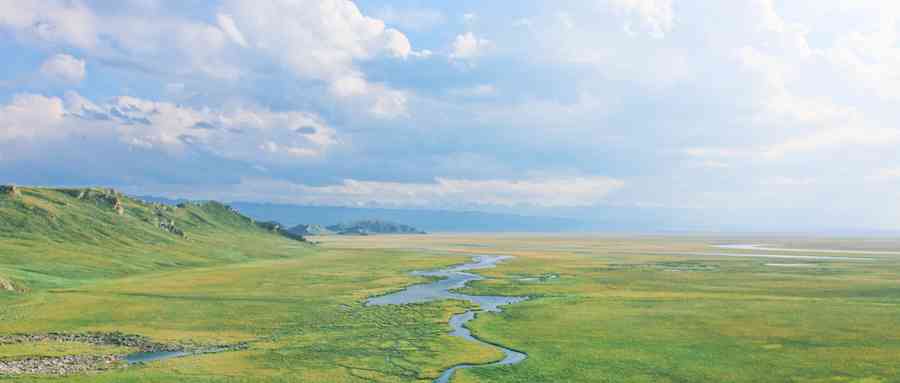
(453, 278)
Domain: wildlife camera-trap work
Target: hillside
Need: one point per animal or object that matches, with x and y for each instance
(53, 237)
(366, 227)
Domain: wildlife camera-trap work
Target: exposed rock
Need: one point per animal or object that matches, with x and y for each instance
(62, 365)
(6, 285)
(117, 206)
(10, 190)
(312, 229)
(73, 364)
(109, 197)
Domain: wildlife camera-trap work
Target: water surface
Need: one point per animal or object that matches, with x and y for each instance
(144, 357)
(453, 278)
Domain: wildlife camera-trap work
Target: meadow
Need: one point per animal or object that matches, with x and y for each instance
(602, 309)
(609, 309)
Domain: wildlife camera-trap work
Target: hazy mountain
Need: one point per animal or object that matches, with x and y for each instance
(375, 226)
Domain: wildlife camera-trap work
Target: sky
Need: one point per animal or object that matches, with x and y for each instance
(778, 113)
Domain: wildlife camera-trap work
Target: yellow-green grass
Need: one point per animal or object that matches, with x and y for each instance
(615, 310)
(603, 308)
(85, 267)
(304, 318)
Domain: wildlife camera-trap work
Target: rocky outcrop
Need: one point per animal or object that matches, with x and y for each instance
(10, 190)
(109, 197)
(169, 226)
(6, 285)
(61, 365)
(117, 206)
(165, 223)
(74, 364)
(312, 229)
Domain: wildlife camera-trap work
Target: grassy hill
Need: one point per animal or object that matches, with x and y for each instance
(57, 237)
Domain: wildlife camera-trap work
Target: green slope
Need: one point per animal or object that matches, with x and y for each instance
(60, 237)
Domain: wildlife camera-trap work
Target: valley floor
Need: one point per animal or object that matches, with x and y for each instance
(602, 310)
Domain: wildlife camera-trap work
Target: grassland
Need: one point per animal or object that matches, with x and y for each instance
(229, 280)
(603, 310)
(617, 310)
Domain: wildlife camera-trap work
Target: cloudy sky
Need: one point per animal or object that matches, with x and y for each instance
(742, 109)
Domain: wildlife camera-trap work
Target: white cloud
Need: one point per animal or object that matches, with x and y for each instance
(134, 35)
(30, 116)
(442, 192)
(835, 138)
(323, 40)
(50, 21)
(63, 67)
(240, 133)
(227, 25)
(468, 46)
(316, 39)
(656, 17)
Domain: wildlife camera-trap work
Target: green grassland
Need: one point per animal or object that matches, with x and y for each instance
(79, 266)
(611, 310)
(603, 309)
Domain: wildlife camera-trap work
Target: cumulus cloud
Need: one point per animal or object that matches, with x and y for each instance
(323, 40)
(244, 133)
(31, 116)
(467, 46)
(63, 67)
(314, 39)
(166, 42)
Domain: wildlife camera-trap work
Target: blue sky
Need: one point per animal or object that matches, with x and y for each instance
(741, 111)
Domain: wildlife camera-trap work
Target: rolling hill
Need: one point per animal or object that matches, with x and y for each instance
(55, 237)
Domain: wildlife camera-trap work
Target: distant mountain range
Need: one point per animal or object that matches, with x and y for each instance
(375, 226)
(427, 220)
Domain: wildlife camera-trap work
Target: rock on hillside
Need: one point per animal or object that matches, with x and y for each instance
(367, 227)
(9, 190)
(312, 229)
(98, 214)
(7, 285)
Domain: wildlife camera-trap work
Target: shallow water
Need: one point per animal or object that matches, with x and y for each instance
(144, 357)
(454, 278)
(792, 264)
(764, 247)
(764, 255)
